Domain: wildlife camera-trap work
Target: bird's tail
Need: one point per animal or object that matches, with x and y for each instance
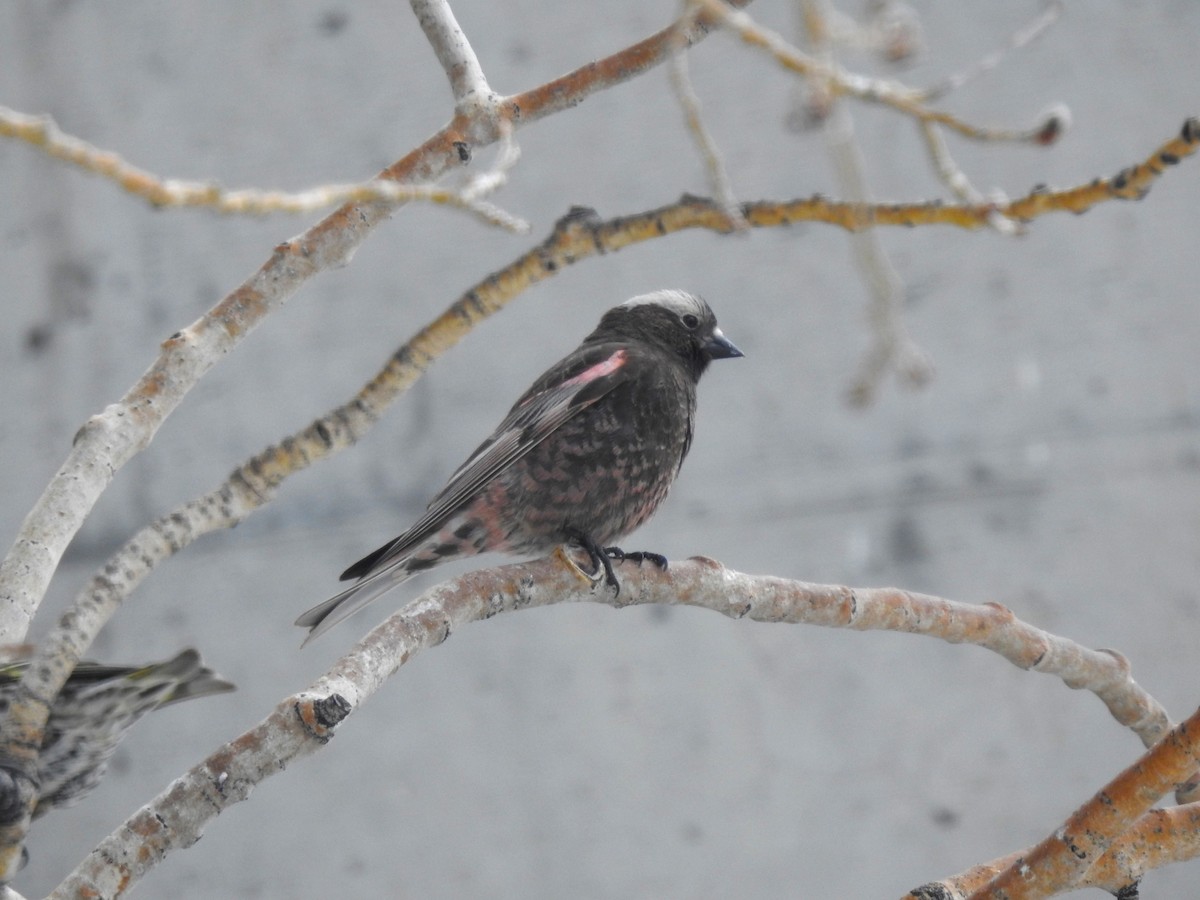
(192, 677)
(182, 677)
(325, 615)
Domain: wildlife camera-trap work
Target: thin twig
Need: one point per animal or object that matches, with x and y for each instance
(490, 181)
(44, 133)
(956, 179)
(892, 346)
(710, 154)
(1020, 38)
(891, 29)
(947, 169)
(453, 51)
(870, 90)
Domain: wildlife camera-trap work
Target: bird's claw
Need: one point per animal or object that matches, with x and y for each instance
(636, 556)
(565, 556)
(602, 559)
(603, 562)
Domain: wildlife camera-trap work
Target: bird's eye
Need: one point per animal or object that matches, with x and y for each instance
(691, 322)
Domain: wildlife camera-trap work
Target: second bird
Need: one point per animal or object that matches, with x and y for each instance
(585, 456)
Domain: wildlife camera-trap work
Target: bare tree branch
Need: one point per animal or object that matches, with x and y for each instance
(1158, 838)
(1053, 123)
(909, 101)
(43, 132)
(454, 52)
(1020, 38)
(1063, 858)
(302, 724)
(710, 154)
(892, 347)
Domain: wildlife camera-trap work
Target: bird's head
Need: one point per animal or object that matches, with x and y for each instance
(673, 320)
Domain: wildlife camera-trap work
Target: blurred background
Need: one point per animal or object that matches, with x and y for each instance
(1052, 465)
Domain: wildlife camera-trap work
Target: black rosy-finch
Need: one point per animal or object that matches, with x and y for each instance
(584, 457)
(94, 710)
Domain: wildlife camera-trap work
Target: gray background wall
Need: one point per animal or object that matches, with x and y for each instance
(1054, 465)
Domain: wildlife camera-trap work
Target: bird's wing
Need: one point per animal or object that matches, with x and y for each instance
(556, 397)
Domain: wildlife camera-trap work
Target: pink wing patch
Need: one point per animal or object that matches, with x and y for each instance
(599, 370)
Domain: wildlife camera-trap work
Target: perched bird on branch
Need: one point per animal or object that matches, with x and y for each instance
(585, 456)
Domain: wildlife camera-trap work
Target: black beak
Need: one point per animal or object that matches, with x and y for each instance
(720, 347)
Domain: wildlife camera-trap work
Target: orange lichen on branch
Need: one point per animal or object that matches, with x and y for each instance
(1160, 837)
(570, 89)
(700, 212)
(958, 886)
(1131, 183)
(1061, 860)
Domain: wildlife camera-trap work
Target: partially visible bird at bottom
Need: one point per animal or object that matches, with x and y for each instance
(584, 457)
(93, 712)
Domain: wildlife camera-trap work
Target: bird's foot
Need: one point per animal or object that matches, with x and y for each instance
(564, 554)
(610, 555)
(601, 560)
(636, 556)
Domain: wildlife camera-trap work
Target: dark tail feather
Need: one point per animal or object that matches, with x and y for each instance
(363, 567)
(325, 615)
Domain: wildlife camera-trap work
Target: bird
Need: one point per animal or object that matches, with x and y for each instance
(92, 713)
(585, 456)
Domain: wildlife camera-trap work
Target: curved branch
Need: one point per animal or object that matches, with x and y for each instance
(43, 132)
(302, 724)
(899, 97)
